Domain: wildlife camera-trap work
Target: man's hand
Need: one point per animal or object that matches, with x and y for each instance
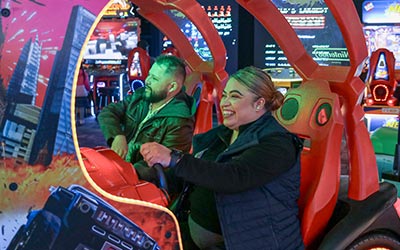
(120, 146)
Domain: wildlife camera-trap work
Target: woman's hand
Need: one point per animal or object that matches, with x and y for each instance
(154, 152)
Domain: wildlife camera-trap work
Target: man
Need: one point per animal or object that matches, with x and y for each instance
(160, 112)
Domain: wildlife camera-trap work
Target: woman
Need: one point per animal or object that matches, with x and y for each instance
(82, 93)
(246, 172)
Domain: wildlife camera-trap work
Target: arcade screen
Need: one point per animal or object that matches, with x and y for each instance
(224, 16)
(315, 26)
(111, 41)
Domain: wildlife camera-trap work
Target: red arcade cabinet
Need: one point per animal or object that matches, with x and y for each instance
(335, 212)
(381, 82)
(138, 67)
(171, 50)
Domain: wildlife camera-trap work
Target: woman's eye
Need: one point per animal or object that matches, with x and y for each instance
(234, 96)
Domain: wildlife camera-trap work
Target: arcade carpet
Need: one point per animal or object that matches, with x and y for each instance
(89, 134)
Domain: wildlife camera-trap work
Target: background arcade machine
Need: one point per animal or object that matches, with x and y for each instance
(381, 27)
(382, 35)
(382, 114)
(381, 100)
(357, 212)
(381, 107)
(317, 30)
(106, 56)
(381, 81)
(138, 65)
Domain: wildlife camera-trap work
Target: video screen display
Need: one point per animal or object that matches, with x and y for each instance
(315, 26)
(383, 36)
(380, 11)
(224, 16)
(112, 40)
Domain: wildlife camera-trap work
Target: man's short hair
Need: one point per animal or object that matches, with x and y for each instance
(143, 44)
(174, 65)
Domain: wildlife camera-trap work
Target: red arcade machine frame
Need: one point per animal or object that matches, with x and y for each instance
(203, 73)
(381, 81)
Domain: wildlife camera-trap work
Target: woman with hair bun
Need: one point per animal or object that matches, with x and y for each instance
(245, 172)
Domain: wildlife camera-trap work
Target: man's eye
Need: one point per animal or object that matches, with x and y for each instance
(153, 78)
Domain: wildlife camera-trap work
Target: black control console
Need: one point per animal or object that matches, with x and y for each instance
(77, 219)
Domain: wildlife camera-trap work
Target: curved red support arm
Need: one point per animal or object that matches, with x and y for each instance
(212, 71)
(155, 12)
(283, 33)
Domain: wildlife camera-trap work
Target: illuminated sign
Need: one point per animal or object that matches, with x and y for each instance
(381, 12)
(330, 54)
(316, 28)
(119, 8)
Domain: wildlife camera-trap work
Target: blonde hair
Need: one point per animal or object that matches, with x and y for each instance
(260, 83)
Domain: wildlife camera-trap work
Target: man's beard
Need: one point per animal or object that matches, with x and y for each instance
(153, 96)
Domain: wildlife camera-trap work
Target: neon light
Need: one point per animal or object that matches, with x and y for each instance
(377, 96)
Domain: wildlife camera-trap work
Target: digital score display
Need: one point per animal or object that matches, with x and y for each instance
(316, 28)
(224, 16)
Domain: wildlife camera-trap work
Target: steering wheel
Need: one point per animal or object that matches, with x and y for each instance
(162, 180)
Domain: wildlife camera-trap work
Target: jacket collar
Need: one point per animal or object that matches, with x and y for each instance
(182, 105)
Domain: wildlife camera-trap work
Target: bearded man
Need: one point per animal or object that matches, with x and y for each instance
(160, 112)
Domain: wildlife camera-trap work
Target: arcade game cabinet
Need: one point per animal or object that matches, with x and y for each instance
(138, 65)
(381, 108)
(381, 81)
(108, 52)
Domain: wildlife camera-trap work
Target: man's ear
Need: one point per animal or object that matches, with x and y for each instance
(174, 86)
